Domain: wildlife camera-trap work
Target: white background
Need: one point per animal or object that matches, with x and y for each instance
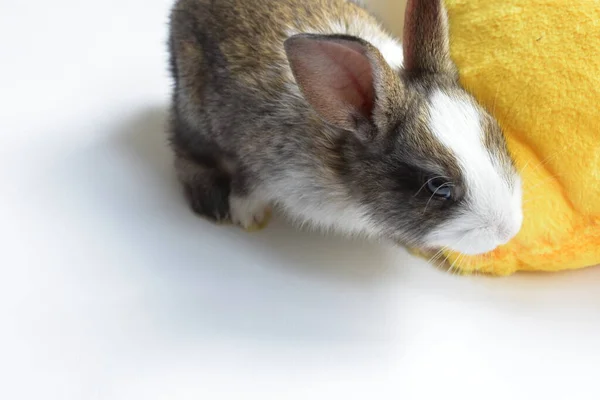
(111, 289)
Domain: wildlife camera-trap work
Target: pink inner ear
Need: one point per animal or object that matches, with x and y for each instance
(352, 77)
(336, 78)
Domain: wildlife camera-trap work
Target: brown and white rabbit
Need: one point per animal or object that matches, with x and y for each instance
(311, 107)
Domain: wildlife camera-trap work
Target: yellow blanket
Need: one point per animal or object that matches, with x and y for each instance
(536, 65)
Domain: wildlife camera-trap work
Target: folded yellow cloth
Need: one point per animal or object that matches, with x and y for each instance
(536, 65)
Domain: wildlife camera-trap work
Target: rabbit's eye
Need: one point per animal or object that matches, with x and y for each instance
(440, 187)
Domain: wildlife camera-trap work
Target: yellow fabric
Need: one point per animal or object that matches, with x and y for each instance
(536, 65)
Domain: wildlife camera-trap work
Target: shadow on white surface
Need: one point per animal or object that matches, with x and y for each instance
(279, 284)
(347, 260)
(137, 296)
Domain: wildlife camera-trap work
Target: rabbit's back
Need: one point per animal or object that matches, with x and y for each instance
(223, 42)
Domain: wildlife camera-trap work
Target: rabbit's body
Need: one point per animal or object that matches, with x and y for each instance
(257, 123)
(233, 76)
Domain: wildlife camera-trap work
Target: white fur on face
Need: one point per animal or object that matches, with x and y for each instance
(324, 207)
(493, 212)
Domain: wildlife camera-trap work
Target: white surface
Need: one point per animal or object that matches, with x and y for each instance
(111, 289)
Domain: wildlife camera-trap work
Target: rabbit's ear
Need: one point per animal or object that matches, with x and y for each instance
(343, 78)
(426, 39)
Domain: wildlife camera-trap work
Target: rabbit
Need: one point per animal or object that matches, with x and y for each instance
(312, 108)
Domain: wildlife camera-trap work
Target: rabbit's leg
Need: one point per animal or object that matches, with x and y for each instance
(214, 185)
(250, 211)
(206, 187)
(213, 193)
